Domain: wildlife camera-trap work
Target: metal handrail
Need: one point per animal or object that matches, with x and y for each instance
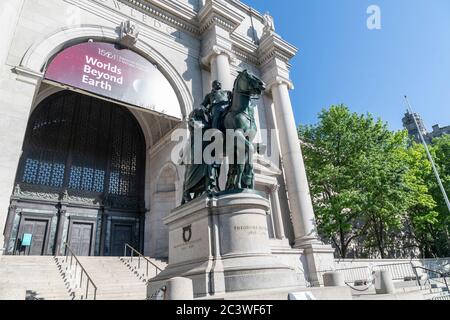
(132, 251)
(443, 275)
(398, 269)
(361, 270)
(83, 270)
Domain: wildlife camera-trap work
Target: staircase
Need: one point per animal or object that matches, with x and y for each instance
(408, 290)
(31, 278)
(50, 278)
(436, 291)
(141, 269)
(114, 277)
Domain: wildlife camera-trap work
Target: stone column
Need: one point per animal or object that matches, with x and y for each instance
(274, 54)
(59, 248)
(11, 216)
(276, 212)
(217, 22)
(9, 14)
(220, 68)
(303, 219)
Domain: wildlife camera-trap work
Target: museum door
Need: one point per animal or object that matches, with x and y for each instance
(122, 234)
(80, 239)
(37, 228)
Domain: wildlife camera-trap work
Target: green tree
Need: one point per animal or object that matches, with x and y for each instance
(381, 175)
(356, 172)
(440, 150)
(422, 217)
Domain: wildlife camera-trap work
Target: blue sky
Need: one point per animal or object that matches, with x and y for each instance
(341, 61)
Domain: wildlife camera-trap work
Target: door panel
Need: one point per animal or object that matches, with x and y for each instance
(38, 229)
(81, 239)
(122, 234)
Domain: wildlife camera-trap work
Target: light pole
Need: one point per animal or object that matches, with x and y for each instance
(436, 173)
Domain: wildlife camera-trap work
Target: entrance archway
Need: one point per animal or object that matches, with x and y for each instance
(81, 176)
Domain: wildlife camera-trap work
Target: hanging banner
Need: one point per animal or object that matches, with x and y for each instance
(116, 73)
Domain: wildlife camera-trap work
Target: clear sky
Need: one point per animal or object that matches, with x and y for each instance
(341, 61)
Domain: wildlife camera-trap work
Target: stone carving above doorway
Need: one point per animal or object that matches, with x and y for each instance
(129, 33)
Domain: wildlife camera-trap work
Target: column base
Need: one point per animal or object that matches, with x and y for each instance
(301, 242)
(318, 257)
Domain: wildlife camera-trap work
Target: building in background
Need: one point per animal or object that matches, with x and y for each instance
(410, 125)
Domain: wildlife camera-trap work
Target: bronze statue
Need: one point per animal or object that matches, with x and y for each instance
(199, 177)
(216, 103)
(228, 112)
(241, 120)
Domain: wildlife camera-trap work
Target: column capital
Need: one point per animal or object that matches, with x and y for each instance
(279, 81)
(216, 50)
(272, 47)
(218, 13)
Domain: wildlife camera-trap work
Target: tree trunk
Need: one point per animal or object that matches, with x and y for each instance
(343, 244)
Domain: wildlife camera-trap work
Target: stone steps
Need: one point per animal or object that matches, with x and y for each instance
(48, 278)
(140, 269)
(407, 289)
(113, 279)
(30, 277)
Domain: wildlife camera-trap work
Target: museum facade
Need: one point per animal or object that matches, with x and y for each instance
(91, 92)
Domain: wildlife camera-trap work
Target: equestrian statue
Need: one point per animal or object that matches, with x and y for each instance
(232, 113)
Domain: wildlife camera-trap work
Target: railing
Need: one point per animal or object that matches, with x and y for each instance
(139, 257)
(364, 274)
(399, 271)
(74, 261)
(433, 277)
(351, 274)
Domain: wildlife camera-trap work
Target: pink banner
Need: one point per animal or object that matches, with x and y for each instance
(120, 74)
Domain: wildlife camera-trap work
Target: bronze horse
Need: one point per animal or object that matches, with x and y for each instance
(239, 125)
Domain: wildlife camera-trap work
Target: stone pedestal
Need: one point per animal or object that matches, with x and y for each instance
(383, 282)
(179, 289)
(222, 244)
(333, 279)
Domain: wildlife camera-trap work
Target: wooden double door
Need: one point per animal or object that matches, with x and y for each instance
(81, 237)
(38, 230)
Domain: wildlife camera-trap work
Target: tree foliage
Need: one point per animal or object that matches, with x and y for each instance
(371, 188)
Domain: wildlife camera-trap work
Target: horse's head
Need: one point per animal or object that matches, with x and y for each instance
(250, 84)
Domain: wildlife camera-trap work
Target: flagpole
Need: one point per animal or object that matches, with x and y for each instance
(436, 173)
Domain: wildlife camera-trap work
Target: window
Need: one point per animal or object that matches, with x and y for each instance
(86, 146)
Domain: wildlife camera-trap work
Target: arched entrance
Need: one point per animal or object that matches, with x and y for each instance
(80, 178)
(78, 190)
